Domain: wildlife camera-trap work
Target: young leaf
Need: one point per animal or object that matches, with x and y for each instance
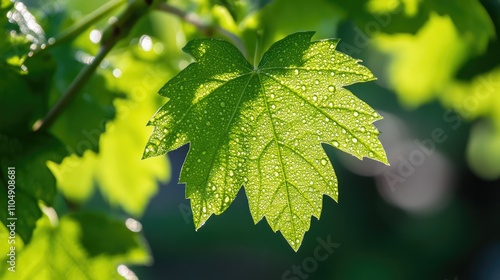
(263, 128)
(83, 245)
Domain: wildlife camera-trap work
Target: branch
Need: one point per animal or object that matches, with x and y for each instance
(73, 89)
(202, 26)
(110, 37)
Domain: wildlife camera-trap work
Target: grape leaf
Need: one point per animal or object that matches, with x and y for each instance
(83, 245)
(476, 99)
(263, 128)
(117, 171)
(449, 36)
(33, 180)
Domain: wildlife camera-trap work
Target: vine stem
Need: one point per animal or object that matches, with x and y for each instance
(73, 89)
(116, 32)
(202, 26)
(111, 36)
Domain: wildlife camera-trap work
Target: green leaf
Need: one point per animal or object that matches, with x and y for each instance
(79, 246)
(263, 128)
(483, 151)
(476, 99)
(117, 170)
(19, 105)
(408, 16)
(85, 118)
(121, 176)
(410, 57)
(447, 36)
(33, 180)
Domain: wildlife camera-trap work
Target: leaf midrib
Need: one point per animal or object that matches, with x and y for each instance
(285, 179)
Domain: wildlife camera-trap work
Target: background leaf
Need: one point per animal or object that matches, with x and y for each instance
(79, 249)
(34, 181)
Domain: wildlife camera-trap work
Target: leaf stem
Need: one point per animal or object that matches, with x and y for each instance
(258, 43)
(202, 26)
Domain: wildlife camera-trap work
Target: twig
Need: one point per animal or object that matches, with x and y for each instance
(73, 89)
(75, 29)
(204, 27)
(110, 37)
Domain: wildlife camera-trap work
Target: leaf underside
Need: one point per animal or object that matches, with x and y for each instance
(262, 128)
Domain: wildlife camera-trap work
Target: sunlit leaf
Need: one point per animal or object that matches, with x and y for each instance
(479, 98)
(117, 171)
(483, 151)
(410, 57)
(80, 246)
(263, 128)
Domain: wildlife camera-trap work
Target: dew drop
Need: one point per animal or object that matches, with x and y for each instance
(303, 87)
(222, 104)
(208, 123)
(335, 143)
(323, 162)
(204, 209)
(356, 114)
(316, 82)
(331, 88)
(315, 98)
(354, 140)
(296, 71)
(151, 148)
